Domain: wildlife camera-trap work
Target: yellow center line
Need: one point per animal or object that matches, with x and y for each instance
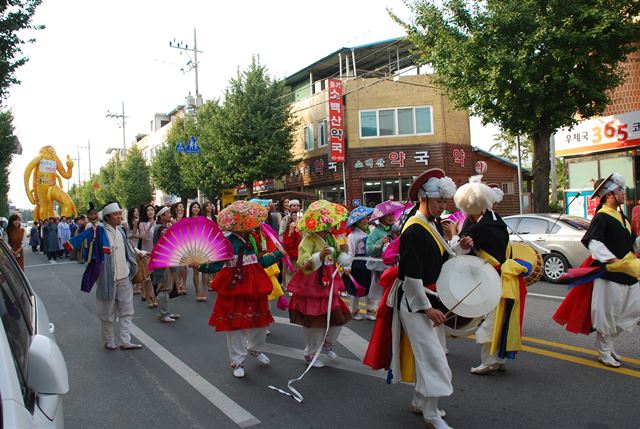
(574, 348)
(581, 361)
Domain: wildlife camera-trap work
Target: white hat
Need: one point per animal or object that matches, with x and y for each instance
(610, 184)
(111, 208)
(294, 202)
(474, 198)
(162, 211)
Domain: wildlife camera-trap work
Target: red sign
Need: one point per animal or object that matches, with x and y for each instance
(336, 122)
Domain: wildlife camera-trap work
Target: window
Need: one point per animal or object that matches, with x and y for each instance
(508, 188)
(402, 121)
(531, 225)
(323, 130)
(308, 137)
(512, 224)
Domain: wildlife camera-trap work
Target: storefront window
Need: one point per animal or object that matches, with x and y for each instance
(405, 121)
(376, 191)
(581, 173)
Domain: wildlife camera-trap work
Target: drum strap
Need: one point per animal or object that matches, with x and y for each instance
(442, 245)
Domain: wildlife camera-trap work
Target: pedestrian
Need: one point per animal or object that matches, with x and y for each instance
(64, 234)
(50, 235)
(114, 293)
(485, 235)
(15, 237)
(242, 285)
(73, 228)
(163, 279)
(146, 226)
(422, 254)
(131, 229)
(316, 285)
(178, 212)
(201, 292)
(359, 223)
(208, 211)
(283, 206)
(34, 237)
(611, 304)
(293, 207)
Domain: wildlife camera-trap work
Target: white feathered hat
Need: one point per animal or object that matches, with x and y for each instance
(474, 198)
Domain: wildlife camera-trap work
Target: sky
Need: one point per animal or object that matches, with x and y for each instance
(93, 56)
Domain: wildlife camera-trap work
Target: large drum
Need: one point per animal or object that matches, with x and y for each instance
(469, 288)
(529, 254)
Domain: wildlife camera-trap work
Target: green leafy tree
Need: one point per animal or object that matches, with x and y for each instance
(131, 185)
(7, 149)
(104, 180)
(14, 16)
(529, 66)
(256, 129)
(202, 171)
(165, 170)
(84, 194)
(505, 146)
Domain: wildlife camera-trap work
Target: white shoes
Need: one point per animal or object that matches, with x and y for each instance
(317, 364)
(437, 423)
(371, 316)
(484, 369)
(263, 359)
(328, 350)
(238, 372)
(357, 316)
(608, 360)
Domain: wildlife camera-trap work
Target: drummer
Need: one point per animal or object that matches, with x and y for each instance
(422, 253)
(491, 243)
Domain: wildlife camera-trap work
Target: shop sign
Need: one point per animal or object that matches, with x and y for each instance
(336, 121)
(604, 133)
(480, 167)
(395, 158)
(458, 156)
(258, 186)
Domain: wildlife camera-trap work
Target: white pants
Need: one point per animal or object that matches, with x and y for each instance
(314, 338)
(614, 307)
(121, 309)
(244, 341)
(484, 336)
(370, 304)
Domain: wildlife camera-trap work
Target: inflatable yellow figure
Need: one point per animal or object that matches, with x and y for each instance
(47, 185)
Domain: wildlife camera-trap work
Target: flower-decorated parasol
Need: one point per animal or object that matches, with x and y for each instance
(358, 214)
(242, 216)
(322, 215)
(386, 208)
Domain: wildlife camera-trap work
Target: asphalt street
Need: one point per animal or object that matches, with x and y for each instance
(182, 379)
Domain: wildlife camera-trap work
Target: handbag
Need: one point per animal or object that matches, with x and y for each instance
(142, 273)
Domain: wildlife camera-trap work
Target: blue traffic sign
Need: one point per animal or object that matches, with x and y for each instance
(192, 147)
(180, 147)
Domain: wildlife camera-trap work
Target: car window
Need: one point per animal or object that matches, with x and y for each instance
(512, 224)
(532, 225)
(17, 328)
(577, 223)
(16, 285)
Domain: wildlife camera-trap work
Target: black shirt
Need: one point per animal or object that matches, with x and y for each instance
(420, 255)
(488, 235)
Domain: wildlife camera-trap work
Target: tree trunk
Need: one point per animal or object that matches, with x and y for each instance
(249, 186)
(540, 170)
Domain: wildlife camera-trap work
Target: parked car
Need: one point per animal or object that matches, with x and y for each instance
(560, 236)
(33, 372)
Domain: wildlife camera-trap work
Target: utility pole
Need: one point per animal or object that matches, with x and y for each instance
(78, 159)
(122, 117)
(192, 64)
(89, 151)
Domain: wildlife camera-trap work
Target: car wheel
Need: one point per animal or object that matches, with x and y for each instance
(555, 265)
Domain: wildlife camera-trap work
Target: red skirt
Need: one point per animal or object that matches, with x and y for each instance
(575, 311)
(378, 354)
(309, 304)
(245, 305)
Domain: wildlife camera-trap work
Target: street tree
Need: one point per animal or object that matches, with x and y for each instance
(15, 16)
(131, 184)
(103, 182)
(7, 149)
(529, 66)
(256, 128)
(165, 170)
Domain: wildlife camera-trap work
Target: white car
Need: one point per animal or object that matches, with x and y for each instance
(33, 372)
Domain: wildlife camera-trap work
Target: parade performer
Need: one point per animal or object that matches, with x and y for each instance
(94, 244)
(242, 285)
(416, 352)
(359, 223)
(501, 331)
(319, 258)
(114, 292)
(609, 304)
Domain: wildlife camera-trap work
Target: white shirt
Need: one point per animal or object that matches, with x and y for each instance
(118, 253)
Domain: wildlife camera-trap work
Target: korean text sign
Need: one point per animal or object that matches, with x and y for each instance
(336, 122)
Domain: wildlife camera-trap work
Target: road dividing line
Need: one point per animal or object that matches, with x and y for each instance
(231, 409)
(50, 264)
(574, 348)
(581, 361)
(539, 295)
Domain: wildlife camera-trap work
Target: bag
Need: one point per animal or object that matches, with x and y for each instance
(143, 271)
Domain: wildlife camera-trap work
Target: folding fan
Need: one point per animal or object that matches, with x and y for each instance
(269, 232)
(191, 241)
(457, 217)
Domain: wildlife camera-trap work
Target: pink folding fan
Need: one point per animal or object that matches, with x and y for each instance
(191, 241)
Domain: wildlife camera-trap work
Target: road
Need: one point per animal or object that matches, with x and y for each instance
(181, 379)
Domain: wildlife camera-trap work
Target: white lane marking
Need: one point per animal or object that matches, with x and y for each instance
(231, 409)
(539, 295)
(49, 264)
(340, 363)
(349, 339)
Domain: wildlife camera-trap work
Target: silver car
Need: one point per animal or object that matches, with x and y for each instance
(33, 372)
(560, 236)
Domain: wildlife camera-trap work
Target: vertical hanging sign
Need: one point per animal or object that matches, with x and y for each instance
(336, 122)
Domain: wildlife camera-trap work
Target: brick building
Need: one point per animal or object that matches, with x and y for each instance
(396, 125)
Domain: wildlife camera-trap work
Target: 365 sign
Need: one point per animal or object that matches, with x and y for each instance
(336, 122)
